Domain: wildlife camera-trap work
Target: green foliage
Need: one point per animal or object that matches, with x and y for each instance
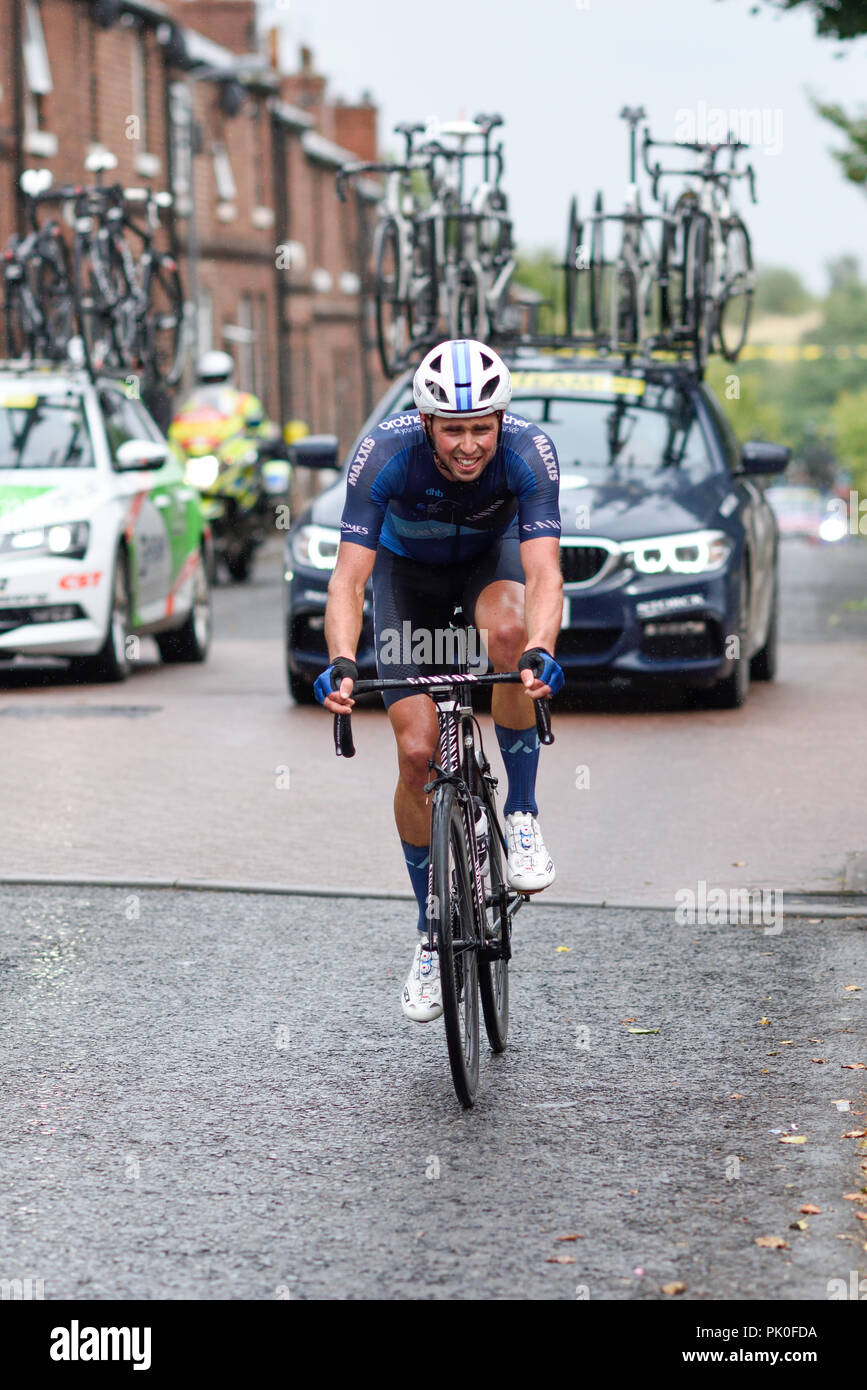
(540, 271)
(837, 19)
(745, 400)
(849, 423)
(780, 291)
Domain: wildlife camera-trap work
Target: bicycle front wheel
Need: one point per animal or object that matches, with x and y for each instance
(162, 329)
(597, 265)
(453, 928)
(573, 266)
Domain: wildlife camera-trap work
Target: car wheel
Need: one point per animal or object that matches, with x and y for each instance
(300, 689)
(731, 692)
(763, 666)
(240, 562)
(191, 642)
(111, 662)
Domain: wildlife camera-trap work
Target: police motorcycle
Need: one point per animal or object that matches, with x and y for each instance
(235, 459)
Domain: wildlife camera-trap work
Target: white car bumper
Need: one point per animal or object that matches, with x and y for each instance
(51, 606)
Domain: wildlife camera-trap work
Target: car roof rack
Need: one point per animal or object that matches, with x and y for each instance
(660, 353)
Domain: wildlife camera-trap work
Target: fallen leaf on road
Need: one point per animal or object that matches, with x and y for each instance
(738, 863)
(793, 1139)
(816, 1040)
(560, 1260)
(735, 1095)
(564, 948)
(765, 1022)
(766, 1071)
(855, 1196)
(798, 1225)
(810, 1210)
(627, 1020)
(772, 1054)
(818, 1059)
(785, 1042)
(854, 1134)
(861, 1216)
(575, 1236)
(642, 1030)
(854, 1066)
(851, 986)
(772, 1242)
(676, 1287)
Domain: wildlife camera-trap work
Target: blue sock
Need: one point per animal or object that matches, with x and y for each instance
(417, 860)
(520, 750)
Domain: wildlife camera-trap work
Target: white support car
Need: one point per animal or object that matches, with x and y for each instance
(101, 539)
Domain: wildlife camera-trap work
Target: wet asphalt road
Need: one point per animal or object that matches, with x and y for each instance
(215, 1096)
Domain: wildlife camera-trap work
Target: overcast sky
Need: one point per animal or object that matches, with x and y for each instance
(559, 72)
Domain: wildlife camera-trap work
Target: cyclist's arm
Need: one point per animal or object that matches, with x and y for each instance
(543, 598)
(344, 611)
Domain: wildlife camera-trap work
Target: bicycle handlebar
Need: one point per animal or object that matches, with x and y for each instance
(344, 746)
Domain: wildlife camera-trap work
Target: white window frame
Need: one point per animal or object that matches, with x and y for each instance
(34, 52)
(227, 191)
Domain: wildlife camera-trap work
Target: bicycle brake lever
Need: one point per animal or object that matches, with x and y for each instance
(343, 744)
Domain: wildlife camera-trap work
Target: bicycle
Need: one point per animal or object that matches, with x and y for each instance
(631, 279)
(707, 253)
(130, 309)
(470, 928)
(37, 281)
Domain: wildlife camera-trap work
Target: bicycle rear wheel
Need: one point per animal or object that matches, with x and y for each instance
(494, 974)
(453, 925)
(736, 305)
(393, 320)
(54, 296)
(700, 306)
(19, 333)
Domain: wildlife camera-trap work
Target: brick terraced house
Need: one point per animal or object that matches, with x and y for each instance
(182, 95)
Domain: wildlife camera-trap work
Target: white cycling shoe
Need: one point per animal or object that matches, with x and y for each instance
(422, 998)
(529, 866)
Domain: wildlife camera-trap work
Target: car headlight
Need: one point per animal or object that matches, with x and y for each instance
(316, 546)
(69, 539)
(833, 528)
(692, 552)
(201, 473)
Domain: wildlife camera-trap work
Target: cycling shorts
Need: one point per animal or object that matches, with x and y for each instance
(413, 603)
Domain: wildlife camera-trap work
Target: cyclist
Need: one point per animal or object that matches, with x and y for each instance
(455, 503)
(217, 411)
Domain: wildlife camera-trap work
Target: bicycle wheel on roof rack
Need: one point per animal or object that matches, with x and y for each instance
(55, 297)
(575, 264)
(672, 266)
(19, 333)
(393, 317)
(735, 309)
(597, 264)
(162, 326)
(700, 307)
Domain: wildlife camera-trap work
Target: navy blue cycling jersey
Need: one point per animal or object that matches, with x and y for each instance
(397, 497)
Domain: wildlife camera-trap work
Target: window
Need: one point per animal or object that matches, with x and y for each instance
(43, 431)
(226, 190)
(139, 106)
(36, 66)
(122, 420)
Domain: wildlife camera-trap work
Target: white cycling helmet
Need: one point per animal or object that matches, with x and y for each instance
(215, 366)
(462, 377)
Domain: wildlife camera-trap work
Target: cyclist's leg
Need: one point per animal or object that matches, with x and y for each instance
(409, 603)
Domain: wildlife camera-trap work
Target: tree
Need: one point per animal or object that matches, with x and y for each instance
(835, 19)
(780, 291)
(849, 422)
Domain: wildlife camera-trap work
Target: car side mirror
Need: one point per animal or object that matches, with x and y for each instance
(758, 458)
(315, 451)
(141, 453)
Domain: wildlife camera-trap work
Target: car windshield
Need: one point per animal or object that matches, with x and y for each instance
(601, 437)
(640, 432)
(43, 431)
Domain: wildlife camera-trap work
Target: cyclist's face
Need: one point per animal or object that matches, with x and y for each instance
(465, 447)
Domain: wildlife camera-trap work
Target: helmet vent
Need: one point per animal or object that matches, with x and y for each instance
(489, 388)
(486, 360)
(436, 391)
(436, 365)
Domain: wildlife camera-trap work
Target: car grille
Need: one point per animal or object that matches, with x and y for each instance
(582, 563)
(676, 639)
(587, 641)
(48, 613)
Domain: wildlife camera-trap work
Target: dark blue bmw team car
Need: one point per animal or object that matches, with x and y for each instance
(668, 548)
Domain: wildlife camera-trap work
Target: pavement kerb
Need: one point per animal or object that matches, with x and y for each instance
(815, 904)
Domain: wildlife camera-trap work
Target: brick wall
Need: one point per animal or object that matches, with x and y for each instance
(110, 86)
